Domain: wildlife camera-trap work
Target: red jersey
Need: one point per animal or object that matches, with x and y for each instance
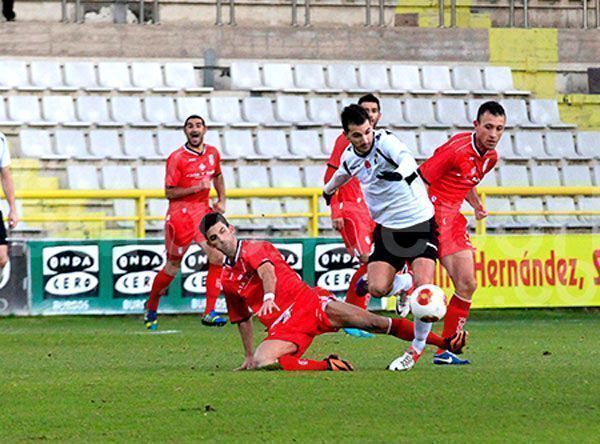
(350, 193)
(243, 287)
(187, 168)
(454, 169)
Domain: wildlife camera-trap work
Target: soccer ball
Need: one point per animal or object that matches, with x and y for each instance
(428, 303)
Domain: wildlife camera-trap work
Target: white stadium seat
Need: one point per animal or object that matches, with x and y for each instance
(279, 77)
(238, 144)
(139, 143)
(513, 176)
(392, 115)
(286, 176)
(329, 137)
(516, 114)
(560, 145)
(169, 140)
(469, 78)
(47, 74)
(246, 75)
(420, 111)
(324, 111)
(311, 76)
(115, 75)
(160, 110)
(453, 112)
(343, 76)
(14, 74)
(36, 143)
(431, 140)
(499, 78)
(306, 144)
(181, 76)
(116, 177)
(27, 109)
(148, 75)
(150, 177)
(227, 109)
(254, 176)
(374, 77)
(95, 109)
(62, 110)
(407, 78)
(292, 109)
(588, 144)
(437, 78)
(83, 75)
(260, 109)
(577, 176)
(545, 112)
(272, 144)
(545, 176)
(82, 177)
(71, 143)
(530, 145)
(128, 110)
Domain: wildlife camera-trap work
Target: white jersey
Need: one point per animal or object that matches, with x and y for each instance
(393, 204)
(4, 153)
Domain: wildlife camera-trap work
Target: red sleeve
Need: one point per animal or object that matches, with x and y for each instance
(257, 253)
(217, 161)
(173, 172)
(237, 309)
(439, 164)
(332, 165)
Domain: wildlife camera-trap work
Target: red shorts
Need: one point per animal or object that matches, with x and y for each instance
(303, 320)
(358, 231)
(453, 235)
(182, 227)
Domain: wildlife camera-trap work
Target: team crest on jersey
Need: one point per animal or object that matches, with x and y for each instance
(367, 164)
(202, 167)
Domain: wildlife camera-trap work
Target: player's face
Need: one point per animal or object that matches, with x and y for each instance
(373, 111)
(194, 131)
(488, 130)
(221, 237)
(361, 136)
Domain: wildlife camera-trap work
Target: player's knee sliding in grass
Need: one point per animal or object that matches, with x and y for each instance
(256, 279)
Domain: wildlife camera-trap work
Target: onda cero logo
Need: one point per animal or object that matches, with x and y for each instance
(334, 266)
(70, 271)
(292, 255)
(194, 268)
(134, 268)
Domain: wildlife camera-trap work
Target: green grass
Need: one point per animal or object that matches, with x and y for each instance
(534, 378)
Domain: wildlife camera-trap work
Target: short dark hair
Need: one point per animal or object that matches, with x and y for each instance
(355, 115)
(210, 220)
(492, 107)
(194, 116)
(369, 98)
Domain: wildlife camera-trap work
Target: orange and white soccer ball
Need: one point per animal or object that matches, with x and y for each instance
(428, 303)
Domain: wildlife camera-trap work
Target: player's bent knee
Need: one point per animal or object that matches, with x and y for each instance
(378, 291)
(466, 287)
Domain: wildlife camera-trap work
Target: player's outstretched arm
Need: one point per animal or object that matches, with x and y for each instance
(340, 178)
(266, 272)
(245, 329)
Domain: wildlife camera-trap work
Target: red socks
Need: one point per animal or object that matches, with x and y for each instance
(159, 287)
(351, 296)
(404, 329)
(291, 363)
(456, 316)
(213, 286)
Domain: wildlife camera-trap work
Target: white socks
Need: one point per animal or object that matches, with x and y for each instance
(401, 282)
(422, 330)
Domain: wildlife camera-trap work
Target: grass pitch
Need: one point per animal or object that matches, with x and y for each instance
(534, 378)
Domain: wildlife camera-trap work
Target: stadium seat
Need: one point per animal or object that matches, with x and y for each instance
(498, 203)
(229, 175)
(260, 109)
(577, 176)
(560, 145)
(296, 206)
(139, 144)
(129, 110)
(82, 177)
(14, 74)
(182, 77)
(392, 116)
(589, 203)
(565, 203)
(306, 144)
(272, 144)
(330, 135)
(254, 176)
(293, 110)
(104, 143)
(27, 109)
(420, 112)
(529, 145)
(82, 75)
(95, 109)
(314, 175)
(437, 78)
(286, 176)
(430, 141)
(472, 108)
(343, 76)
(374, 77)
(513, 176)
(71, 143)
(117, 177)
(169, 140)
(453, 112)
(161, 111)
(61, 109)
(238, 144)
(115, 75)
(516, 114)
(5, 121)
(505, 147)
(187, 106)
(311, 76)
(545, 176)
(227, 109)
(407, 78)
(213, 137)
(597, 175)
(238, 207)
(148, 75)
(150, 177)
(499, 78)
(246, 76)
(469, 78)
(588, 144)
(279, 77)
(47, 74)
(324, 111)
(545, 112)
(261, 207)
(490, 179)
(157, 208)
(36, 143)
(409, 138)
(530, 221)
(23, 228)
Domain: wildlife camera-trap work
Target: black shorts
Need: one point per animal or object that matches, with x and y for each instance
(399, 247)
(2, 230)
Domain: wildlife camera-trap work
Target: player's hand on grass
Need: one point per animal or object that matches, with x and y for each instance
(268, 307)
(480, 213)
(338, 224)
(219, 206)
(248, 364)
(391, 176)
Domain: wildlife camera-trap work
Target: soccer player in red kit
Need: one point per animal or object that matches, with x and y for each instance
(452, 173)
(257, 280)
(190, 170)
(349, 213)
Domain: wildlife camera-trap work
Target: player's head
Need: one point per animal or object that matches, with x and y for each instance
(371, 105)
(489, 125)
(195, 129)
(219, 233)
(357, 128)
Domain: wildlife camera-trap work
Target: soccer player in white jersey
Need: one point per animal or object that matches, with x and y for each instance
(9, 192)
(406, 232)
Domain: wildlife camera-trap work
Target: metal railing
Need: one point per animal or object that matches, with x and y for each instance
(120, 9)
(140, 218)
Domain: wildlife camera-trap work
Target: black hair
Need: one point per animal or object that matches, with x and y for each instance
(194, 116)
(369, 98)
(494, 108)
(210, 220)
(355, 115)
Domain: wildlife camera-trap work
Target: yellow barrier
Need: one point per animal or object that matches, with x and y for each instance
(313, 194)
